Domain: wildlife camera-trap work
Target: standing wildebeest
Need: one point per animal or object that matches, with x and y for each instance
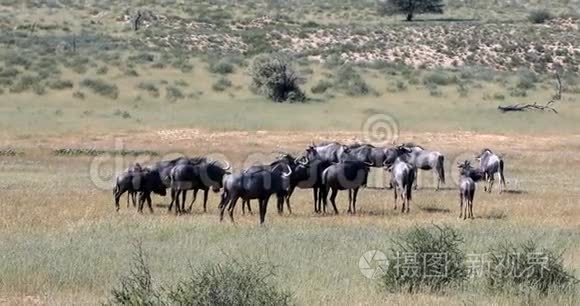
(466, 189)
(199, 176)
(347, 175)
(123, 183)
(330, 152)
(255, 184)
(490, 163)
(427, 160)
(145, 182)
(365, 153)
(402, 178)
(465, 168)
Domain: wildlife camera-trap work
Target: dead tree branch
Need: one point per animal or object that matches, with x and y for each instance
(549, 106)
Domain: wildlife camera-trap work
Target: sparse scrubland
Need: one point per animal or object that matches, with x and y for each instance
(83, 94)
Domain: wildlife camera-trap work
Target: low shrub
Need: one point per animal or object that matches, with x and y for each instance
(223, 66)
(150, 88)
(436, 261)
(173, 93)
(79, 95)
(222, 84)
(439, 77)
(539, 16)
(351, 82)
(101, 87)
(519, 268)
(321, 87)
(60, 84)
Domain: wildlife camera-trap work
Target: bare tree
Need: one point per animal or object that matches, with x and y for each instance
(410, 7)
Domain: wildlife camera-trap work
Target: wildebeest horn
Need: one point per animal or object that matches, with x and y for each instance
(301, 160)
(228, 166)
(369, 164)
(289, 172)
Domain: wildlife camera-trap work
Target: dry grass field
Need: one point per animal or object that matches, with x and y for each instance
(62, 242)
(75, 75)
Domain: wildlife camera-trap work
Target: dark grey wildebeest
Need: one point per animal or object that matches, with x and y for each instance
(465, 169)
(402, 178)
(123, 183)
(145, 182)
(258, 184)
(204, 175)
(491, 164)
(466, 190)
(347, 175)
(427, 160)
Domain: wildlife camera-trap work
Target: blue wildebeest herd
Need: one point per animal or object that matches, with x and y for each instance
(326, 168)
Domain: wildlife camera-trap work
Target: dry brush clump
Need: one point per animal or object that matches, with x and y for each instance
(274, 77)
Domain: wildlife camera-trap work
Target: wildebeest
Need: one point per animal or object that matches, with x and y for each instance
(346, 175)
(402, 178)
(465, 168)
(491, 163)
(123, 183)
(466, 190)
(366, 153)
(330, 152)
(259, 183)
(427, 160)
(145, 182)
(199, 176)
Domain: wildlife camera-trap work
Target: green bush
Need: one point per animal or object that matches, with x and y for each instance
(437, 261)
(351, 82)
(222, 66)
(232, 283)
(244, 283)
(222, 84)
(60, 84)
(539, 16)
(321, 87)
(273, 76)
(519, 268)
(439, 77)
(150, 88)
(173, 93)
(101, 87)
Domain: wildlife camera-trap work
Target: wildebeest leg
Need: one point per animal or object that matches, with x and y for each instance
(416, 181)
(141, 202)
(333, 200)
(118, 193)
(172, 192)
(349, 201)
(355, 194)
(226, 198)
(315, 197)
(263, 208)
(460, 205)
(491, 181)
(193, 200)
(128, 198)
(149, 202)
(249, 207)
(243, 207)
(290, 192)
(176, 194)
(205, 192)
(395, 192)
(134, 198)
(184, 197)
(436, 174)
(232, 206)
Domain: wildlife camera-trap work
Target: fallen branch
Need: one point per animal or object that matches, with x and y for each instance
(535, 106)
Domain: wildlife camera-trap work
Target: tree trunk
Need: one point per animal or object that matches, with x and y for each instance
(410, 16)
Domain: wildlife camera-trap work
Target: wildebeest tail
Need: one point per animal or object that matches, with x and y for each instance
(441, 168)
(501, 177)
